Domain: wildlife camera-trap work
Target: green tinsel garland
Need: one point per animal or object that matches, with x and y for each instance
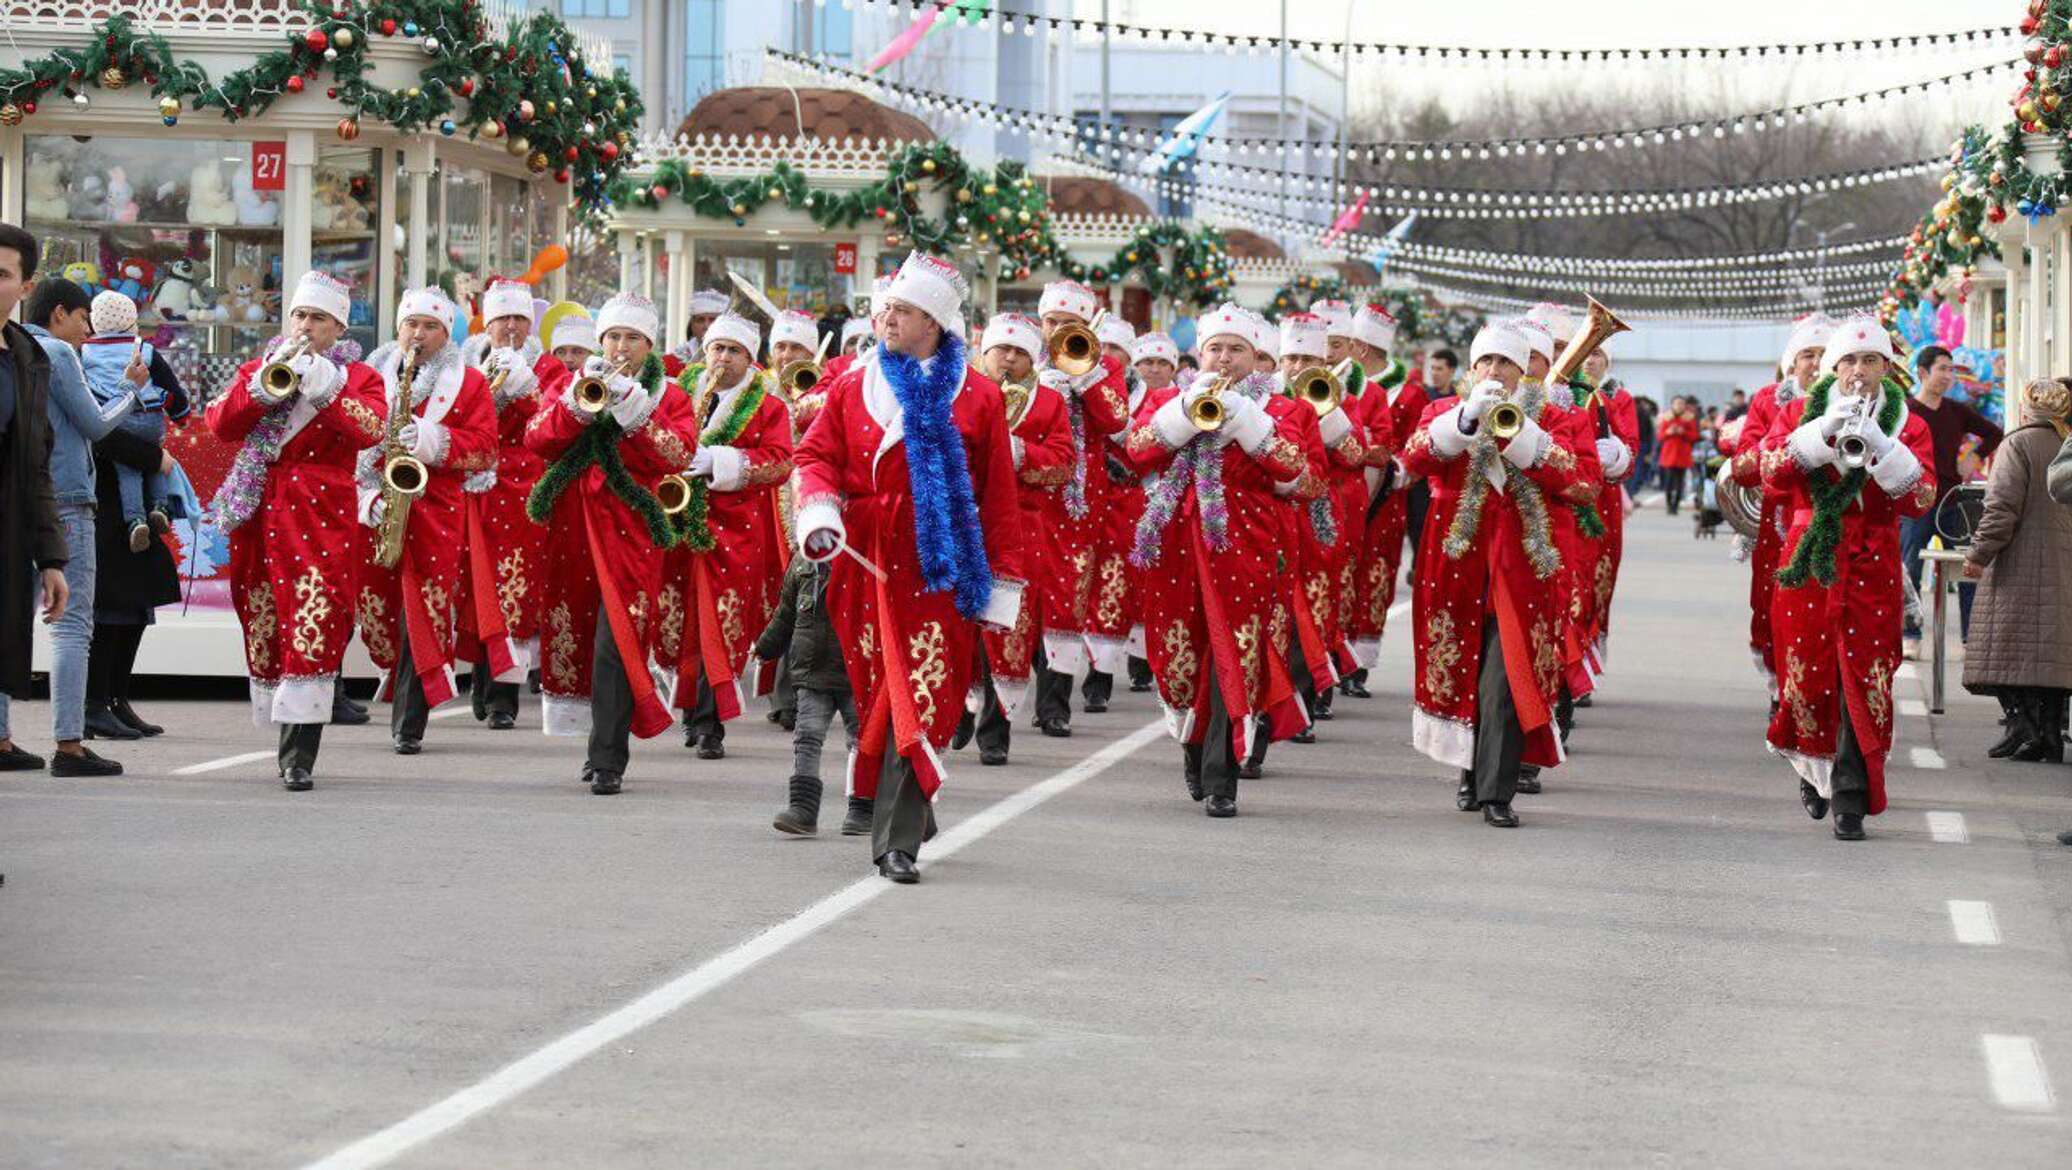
(1355, 379)
(1815, 555)
(599, 445)
(693, 524)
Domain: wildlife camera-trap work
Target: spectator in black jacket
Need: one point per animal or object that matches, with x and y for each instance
(33, 552)
(801, 634)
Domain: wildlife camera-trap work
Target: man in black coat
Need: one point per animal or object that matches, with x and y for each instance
(31, 544)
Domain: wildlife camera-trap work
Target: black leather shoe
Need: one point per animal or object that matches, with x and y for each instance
(1194, 788)
(1848, 826)
(857, 823)
(1306, 735)
(1095, 708)
(135, 722)
(1250, 771)
(967, 726)
(349, 714)
(711, 747)
(2065, 838)
(2017, 735)
(1815, 804)
(1222, 806)
(297, 780)
(502, 721)
(1358, 690)
(2048, 748)
(1055, 728)
(1322, 715)
(405, 746)
(1499, 813)
(898, 867)
(478, 698)
(85, 763)
(1585, 703)
(101, 723)
(1529, 781)
(1138, 688)
(1464, 795)
(992, 757)
(15, 759)
(605, 783)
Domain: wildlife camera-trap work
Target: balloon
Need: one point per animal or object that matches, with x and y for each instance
(547, 260)
(553, 317)
(1949, 326)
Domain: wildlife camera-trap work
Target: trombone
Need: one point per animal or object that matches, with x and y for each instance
(1075, 349)
(593, 392)
(1323, 389)
(277, 381)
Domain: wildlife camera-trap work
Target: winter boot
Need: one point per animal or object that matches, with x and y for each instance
(802, 816)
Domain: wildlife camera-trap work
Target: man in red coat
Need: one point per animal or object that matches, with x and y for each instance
(1486, 609)
(1677, 434)
(288, 504)
(1156, 360)
(1611, 411)
(1852, 461)
(908, 479)
(1111, 611)
(706, 306)
(1390, 408)
(1801, 367)
(405, 610)
(1208, 552)
(600, 600)
(1325, 527)
(498, 611)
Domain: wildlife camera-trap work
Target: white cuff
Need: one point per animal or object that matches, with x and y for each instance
(634, 408)
(1809, 447)
(820, 516)
(1612, 453)
(433, 443)
(1019, 448)
(321, 381)
(1448, 439)
(1528, 446)
(1004, 608)
(1898, 471)
(1335, 426)
(1251, 429)
(729, 466)
(1172, 424)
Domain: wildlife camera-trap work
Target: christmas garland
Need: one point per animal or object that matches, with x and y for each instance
(532, 89)
(599, 445)
(1953, 234)
(693, 525)
(1198, 273)
(1815, 555)
(1454, 326)
(1535, 535)
(1589, 521)
(949, 536)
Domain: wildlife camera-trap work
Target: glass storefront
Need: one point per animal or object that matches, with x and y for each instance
(793, 275)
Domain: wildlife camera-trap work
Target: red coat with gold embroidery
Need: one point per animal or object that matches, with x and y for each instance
(1484, 556)
(1313, 516)
(1611, 507)
(1578, 551)
(1042, 441)
(1747, 450)
(1838, 645)
(1100, 409)
(1390, 417)
(501, 572)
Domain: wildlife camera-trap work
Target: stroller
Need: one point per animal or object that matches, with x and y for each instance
(1707, 515)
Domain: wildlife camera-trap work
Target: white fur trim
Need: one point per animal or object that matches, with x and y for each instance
(1135, 645)
(1861, 333)
(934, 286)
(1251, 428)
(1303, 335)
(735, 328)
(1068, 296)
(1155, 346)
(729, 467)
(262, 703)
(1615, 458)
(1809, 447)
(1448, 439)
(426, 302)
(1528, 446)
(819, 516)
(1015, 330)
(1011, 692)
(795, 327)
(1446, 740)
(1819, 771)
(1335, 426)
(1179, 723)
(1366, 653)
(1809, 332)
(1375, 326)
(1117, 332)
(1065, 653)
(708, 302)
(303, 700)
(1897, 471)
(630, 311)
(1504, 339)
(564, 714)
(574, 330)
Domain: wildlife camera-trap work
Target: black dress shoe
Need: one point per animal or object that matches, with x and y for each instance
(15, 759)
(1358, 690)
(1250, 771)
(129, 716)
(1585, 703)
(85, 763)
(967, 726)
(479, 699)
(1529, 781)
(1222, 806)
(711, 747)
(502, 721)
(2017, 735)
(898, 867)
(2065, 838)
(1138, 688)
(605, 783)
(776, 715)
(406, 746)
(1194, 788)
(1095, 708)
(101, 723)
(992, 757)
(297, 780)
(1322, 715)
(857, 822)
(1499, 813)
(1464, 795)
(1815, 804)
(1848, 826)
(1055, 728)
(346, 713)
(1306, 735)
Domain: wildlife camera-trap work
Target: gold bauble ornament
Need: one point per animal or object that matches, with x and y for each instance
(348, 129)
(2026, 111)
(343, 38)
(10, 115)
(113, 78)
(991, 190)
(536, 162)
(552, 109)
(518, 145)
(492, 130)
(928, 165)
(169, 107)
(413, 93)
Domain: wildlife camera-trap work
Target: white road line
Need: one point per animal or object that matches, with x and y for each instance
(1913, 707)
(2016, 1067)
(1974, 923)
(508, 1082)
(1948, 827)
(1647, 501)
(225, 762)
(1926, 758)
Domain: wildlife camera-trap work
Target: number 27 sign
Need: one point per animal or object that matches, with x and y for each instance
(269, 166)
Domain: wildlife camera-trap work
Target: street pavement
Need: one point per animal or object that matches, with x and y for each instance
(464, 960)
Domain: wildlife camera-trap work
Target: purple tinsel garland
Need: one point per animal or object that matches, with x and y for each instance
(244, 486)
(948, 534)
(1198, 465)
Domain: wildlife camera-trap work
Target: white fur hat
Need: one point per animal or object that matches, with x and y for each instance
(1068, 296)
(1557, 320)
(879, 290)
(1861, 333)
(1015, 330)
(709, 302)
(630, 310)
(1305, 335)
(854, 328)
(1536, 336)
(1116, 331)
(325, 293)
(576, 330)
(1504, 339)
(795, 327)
(1266, 336)
(1225, 319)
(933, 286)
(112, 312)
(1374, 325)
(1808, 332)
(1337, 315)
(735, 328)
(426, 302)
(1155, 347)
(507, 298)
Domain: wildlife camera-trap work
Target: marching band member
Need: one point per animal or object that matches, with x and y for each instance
(706, 306)
(1157, 362)
(1388, 410)
(405, 608)
(1041, 437)
(720, 596)
(1097, 404)
(1207, 551)
(794, 337)
(908, 477)
(498, 620)
(600, 595)
(573, 343)
(1800, 368)
(1851, 460)
(1323, 543)
(1612, 411)
(1486, 606)
(1110, 611)
(288, 504)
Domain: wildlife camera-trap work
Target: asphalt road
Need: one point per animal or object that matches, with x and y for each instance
(464, 960)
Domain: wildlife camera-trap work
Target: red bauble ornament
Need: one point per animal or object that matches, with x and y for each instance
(348, 129)
(388, 28)
(2054, 57)
(29, 107)
(294, 83)
(608, 151)
(316, 40)
(1996, 213)
(561, 176)
(466, 88)
(331, 92)
(572, 154)
(659, 192)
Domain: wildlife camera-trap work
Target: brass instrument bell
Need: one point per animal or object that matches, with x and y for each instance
(1206, 411)
(673, 492)
(277, 381)
(1506, 419)
(593, 392)
(1602, 325)
(1323, 389)
(799, 377)
(1075, 349)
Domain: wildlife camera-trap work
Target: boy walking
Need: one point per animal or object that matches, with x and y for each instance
(803, 636)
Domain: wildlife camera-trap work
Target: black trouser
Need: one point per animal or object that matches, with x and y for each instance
(1098, 688)
(409, 711)
(1673, 486)
(1419, 503)
(1849, 781)
(110, 660)
(1499, 737)
(1053, 692)
(703, 719)
(1140, 671)
(1212, 759)
(899, 817)
(494, 696)
(993, 730)
(299, 745)
(611, 704)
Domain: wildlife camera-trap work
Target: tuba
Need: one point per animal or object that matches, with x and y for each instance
(403, 475)
(1323, 389)
(1741, 506)
(1601, 327)
(277, 381)
(798, 378)
(1075, 349)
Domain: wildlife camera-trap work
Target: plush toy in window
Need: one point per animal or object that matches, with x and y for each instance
(46, 191)
(122, 203)
(243, 299)
(254, 208)
(132, 278)
(86, 274)
(208, 200)
(183, 292)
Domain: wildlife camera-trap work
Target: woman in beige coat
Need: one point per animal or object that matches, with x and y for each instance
(2020, 648)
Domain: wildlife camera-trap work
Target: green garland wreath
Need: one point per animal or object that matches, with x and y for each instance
(1815, 555)
(693, 525)
(599, 446)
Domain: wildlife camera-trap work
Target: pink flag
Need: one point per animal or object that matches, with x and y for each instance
(1349, 220)
(904, 43)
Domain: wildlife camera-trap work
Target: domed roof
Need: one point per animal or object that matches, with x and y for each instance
(1073, 195)
(1357, 273)
(1248, 245)
(776, 111)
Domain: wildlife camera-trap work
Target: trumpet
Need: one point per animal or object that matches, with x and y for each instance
(1323, 389)
(799, 377)
(1852, 442)
(593, 392)
(1206, 412)
(1075, 349)
(673, 492)
(1506, 419)
(277, 380)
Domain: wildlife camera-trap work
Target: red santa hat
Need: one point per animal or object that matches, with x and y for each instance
(426, 302)
(1155, 347)
(1503, 339)
(1376, 326)
(796, 327)
(630, 310)
(1303, 335)
(1116, 331)
(507, 298)
(933, 286)
(1016, 330)
(324, 293)
(1337, 315)
(735, 328)
(1068, 296)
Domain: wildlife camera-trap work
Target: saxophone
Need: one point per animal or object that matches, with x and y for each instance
(403, 476)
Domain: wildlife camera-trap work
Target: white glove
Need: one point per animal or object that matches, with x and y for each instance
(1809, 444)
(321, 379)
(520, 381)
(1881, 443)
(1613, 456)
(1526, 448)
(701, 462)
(301, 362)
(820, 531)
(1484, 396)
(820, 544)
(1335, 426)
(630, 403)
(407, 437)
(428, 441)
(1171, 423)
(623, 387)
(1246, 423)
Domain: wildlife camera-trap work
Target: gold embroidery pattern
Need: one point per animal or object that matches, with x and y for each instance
(511, 587)
(312, 610)
(261, 624)
(1082, 585)
(1924, 494)
(1016, 646)
(1181, 665)
(1114, 586)
(474, 461)
(1279, 455)
(1877, 692)
(1350, 450)
(1604, 583)
(561, 644)
(1560, 460)
(867, 646)
(1143, 442)
(729, 607)
(374, 627)
(363, 417)
(1793, 690)
(1377, 590)
(1420, 443)
(1280, 628)
(766, 474)
(1442, 655)
(1319, 589)
(438, 609)
(637, 610)
(1773, 459)
(1248, 653)
(671, 604)
(930, 670)
(1546, 656)
(673, 450)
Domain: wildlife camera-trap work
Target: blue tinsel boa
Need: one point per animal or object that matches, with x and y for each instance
(947, 533)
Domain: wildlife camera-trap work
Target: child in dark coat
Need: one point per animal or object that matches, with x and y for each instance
(801, 634)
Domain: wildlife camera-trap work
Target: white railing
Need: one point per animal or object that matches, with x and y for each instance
(1099, 223)
(161, 15)
(864, 158)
